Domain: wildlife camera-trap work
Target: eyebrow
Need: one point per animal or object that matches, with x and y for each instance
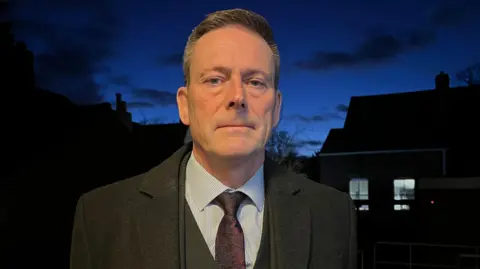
(227, 71)
(220, 69)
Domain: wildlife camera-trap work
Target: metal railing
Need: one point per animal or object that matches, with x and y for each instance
(361, 259)
(474, 257)
(458, 253)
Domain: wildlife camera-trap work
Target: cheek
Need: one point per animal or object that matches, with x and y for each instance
(211, 103)
(203, 110)
(198, 105)
(267, 111)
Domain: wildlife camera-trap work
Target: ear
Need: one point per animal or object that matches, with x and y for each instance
(278, 108)
(182, 103)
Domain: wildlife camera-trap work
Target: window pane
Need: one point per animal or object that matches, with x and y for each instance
(359, 189)
(404, 189)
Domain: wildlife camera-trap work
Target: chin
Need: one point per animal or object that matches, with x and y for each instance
(231, 149)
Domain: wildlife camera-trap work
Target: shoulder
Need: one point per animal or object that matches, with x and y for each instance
(112, 197)
(330, 209)
(317, 190)
(321, 197)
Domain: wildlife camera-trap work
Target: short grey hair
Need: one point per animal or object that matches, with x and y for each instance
(222, 18)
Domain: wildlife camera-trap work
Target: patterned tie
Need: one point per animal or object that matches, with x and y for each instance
(230, 245)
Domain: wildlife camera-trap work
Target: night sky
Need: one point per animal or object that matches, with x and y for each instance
(330, 51)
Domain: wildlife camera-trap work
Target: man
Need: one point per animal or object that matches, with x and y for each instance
(218, 202)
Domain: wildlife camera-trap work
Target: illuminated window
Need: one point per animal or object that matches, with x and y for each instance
(404, 189)
(359, 189)
(401, 207)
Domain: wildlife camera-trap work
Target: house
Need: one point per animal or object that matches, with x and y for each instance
(156, 142)
(55, 150)
(77, 149)
(403, 156)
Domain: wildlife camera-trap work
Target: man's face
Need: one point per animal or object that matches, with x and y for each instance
(230, 105)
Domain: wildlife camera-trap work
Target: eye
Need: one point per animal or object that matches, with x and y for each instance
(257, 83)
(213, 81)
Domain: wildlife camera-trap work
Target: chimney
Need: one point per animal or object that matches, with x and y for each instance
(118, 102)
(123, 114)
(442, 81)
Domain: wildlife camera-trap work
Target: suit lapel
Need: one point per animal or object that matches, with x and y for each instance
(290, 218)
(157, 216)
(157, 227)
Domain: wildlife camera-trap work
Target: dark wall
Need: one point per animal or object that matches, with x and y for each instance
(451, 219)
(382, 222)
(463, 162)
(41, 198)
(380, 169)
(450, 215)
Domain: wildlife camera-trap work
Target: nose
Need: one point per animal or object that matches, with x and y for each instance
(236, 98)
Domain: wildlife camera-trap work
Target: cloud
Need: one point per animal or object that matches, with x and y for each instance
(382, 46)
(170, 60)
(308, 143)
(334, 115)
(452, 13)
(69, 52)
(376, 48)
(161, 98)
(326, 116)
(341, 108)
(308, 119)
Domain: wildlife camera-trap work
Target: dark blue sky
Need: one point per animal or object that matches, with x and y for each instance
(330, 51)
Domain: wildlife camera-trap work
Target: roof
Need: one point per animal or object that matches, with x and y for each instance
(339, 140)
(420, 109)
(409, 120)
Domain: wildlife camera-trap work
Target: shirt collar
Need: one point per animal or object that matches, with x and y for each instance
(203, 187)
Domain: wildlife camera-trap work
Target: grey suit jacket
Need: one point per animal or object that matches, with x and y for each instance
(134, 223)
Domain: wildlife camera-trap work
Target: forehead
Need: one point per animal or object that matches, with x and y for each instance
(233, 47)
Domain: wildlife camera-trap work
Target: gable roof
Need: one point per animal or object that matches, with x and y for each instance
(419, 109)
(341, 141)
(410, 120)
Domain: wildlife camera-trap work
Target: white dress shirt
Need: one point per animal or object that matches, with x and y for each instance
(201, 188)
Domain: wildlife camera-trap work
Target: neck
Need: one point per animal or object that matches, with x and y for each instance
(232, 172)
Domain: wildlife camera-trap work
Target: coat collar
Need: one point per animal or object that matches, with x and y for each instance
(158, 217)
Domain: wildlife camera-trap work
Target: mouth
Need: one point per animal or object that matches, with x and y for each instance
(235, 126)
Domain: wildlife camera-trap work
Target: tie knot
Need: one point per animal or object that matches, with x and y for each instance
(230, 202)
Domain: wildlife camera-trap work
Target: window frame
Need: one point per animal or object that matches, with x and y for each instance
(358, 196)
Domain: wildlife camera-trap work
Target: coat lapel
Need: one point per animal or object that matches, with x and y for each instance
(157, 216)
(290, 218)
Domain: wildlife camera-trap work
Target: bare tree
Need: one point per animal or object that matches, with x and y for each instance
(293, 163)
(311, 166)
(470, 75)
(280, 145)
(282, 148)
